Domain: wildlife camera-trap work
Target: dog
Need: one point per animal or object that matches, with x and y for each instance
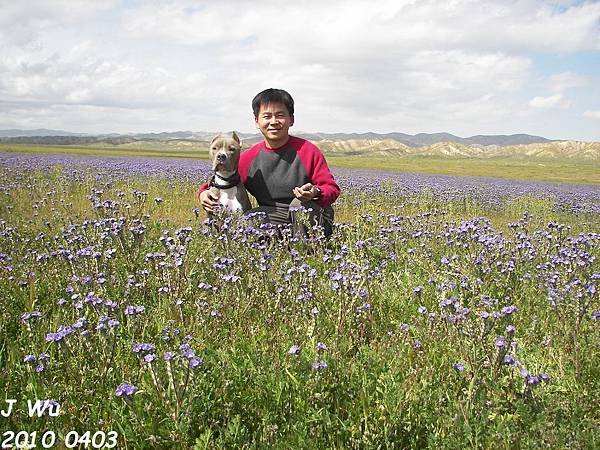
(225, 184)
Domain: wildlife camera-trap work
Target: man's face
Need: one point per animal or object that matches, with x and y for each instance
(274, 122)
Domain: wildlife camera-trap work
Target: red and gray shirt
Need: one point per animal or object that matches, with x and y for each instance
(270, 174)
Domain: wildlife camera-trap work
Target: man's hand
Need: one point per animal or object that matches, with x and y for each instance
(306, 192)
(208, 201)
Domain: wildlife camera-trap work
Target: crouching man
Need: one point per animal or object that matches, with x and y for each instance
(283, 172)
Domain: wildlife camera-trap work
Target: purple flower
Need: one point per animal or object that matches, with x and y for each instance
(30, 315)
(110, 304)
(510, 329)
(186, 351)
(447, 302)
(149, 358)
(417, 344)
(205, 286)
(319, 365)
(509, 360)
(508, 310)
(418, 290)
(294, 350)
(142, 348)
(422, 310)
(195, 362)
(230, 278)
(29, 359)
(80, 323)
(459, 366)
(60, 334)
(336, 276)
(168, 356)
(596, 315)
(500, 341)
(134, 310)
(321, 347)
(363, 307)
(125, 390)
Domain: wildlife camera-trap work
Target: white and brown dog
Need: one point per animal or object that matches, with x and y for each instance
(225, 184)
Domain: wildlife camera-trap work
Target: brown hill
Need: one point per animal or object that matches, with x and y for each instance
(553, 150)
(364, 146)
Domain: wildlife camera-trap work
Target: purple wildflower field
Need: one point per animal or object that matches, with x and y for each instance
(444, 312)
(567, 197)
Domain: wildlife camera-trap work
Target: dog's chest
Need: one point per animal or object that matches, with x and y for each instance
(228, 198)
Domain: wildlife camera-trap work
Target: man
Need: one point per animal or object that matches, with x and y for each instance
(283, 172)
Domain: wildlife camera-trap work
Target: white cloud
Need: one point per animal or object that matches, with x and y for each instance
(592, 114)
(75, 78)
(553, 101)
(193, 23)
(336, 28)
(566, 80)
(24, 22)
(389, 65)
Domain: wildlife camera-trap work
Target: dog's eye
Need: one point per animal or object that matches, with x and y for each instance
(213, 148)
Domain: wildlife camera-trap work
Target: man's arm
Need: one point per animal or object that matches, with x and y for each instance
(322, 178)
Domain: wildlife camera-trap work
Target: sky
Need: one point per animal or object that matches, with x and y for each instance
(465, 67)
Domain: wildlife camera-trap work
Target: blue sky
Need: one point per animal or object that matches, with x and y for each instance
(463, 66)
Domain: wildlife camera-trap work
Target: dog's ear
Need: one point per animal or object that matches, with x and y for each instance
(215, 138)
(235, 137)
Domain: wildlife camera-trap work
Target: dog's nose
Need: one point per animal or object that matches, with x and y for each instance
(221, 157)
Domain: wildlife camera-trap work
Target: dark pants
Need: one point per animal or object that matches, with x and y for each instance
(291, 215)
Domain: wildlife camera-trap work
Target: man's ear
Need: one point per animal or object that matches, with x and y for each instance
(292, 120)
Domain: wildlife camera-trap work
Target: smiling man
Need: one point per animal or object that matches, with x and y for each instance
(283, 172)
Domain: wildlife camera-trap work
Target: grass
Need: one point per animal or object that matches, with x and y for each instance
(388, 376)
(564, 171)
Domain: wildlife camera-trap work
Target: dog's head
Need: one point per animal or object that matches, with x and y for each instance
(224, 152)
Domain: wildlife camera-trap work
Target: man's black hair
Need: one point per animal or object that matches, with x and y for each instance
(273, 96)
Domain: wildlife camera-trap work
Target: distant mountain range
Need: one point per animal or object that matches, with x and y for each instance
(589, 151)
(36, 132)
(424, 139)
(58, 137)
(438, 145)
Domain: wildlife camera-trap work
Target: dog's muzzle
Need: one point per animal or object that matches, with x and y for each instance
(221, 157)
